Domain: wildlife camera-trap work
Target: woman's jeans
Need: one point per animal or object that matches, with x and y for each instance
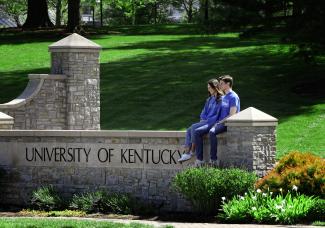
(190, 138)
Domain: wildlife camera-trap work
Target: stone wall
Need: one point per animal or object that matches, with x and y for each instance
(113, 163)
(82, 86)
(251, 148)
(41, 106)
(78, 58)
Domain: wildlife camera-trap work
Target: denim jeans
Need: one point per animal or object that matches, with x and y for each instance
(217, 129)
(198, 134)
(190, 138)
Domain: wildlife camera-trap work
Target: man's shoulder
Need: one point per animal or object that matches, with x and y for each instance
(234, 94)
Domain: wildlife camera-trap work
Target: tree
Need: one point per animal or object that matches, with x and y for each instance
(130, 8)
(73, 14)
(58, 9)
(14, 9)
(189, 6)
(37, 14)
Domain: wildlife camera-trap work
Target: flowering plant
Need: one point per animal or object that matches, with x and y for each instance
(256, 206)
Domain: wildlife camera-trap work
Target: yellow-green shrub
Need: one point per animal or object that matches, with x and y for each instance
(304, 170)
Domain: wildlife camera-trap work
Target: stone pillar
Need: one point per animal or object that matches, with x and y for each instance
(78, 59)
(251, 141)
(6, 122)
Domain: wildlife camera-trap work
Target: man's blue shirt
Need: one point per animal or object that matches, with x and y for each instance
(229, 100)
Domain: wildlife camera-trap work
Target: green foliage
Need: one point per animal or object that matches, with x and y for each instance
(205, 187)
(14, 8)
(101, 201)
(317, 212)
(304, 170)
(318, 223)
(46, 198)
(264, 208)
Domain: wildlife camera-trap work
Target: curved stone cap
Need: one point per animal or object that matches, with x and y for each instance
(74, 41)
(32, 89)
(251, 117)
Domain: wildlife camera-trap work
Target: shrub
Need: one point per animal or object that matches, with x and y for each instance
(205, 187)
(304, 170)
(46, 198)
(88, 202)
(263, 208)
(101, 201)
(317, 212)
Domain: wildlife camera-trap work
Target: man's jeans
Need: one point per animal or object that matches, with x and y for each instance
(198, 134)
(217, 129)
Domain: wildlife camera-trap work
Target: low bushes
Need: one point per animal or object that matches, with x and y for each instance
(47, 199)
(205, 186)
(317, 212)
(264, 208)
(304, 170)
(288, 194)
(101, 201)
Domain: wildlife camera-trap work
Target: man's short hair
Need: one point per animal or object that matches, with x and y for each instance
(227, 79)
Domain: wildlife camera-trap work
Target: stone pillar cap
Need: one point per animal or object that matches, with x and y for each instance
(5, 117)
(251, 117)
(74, 41)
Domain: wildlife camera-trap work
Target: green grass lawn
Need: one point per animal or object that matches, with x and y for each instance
(155, 78)
(60, 223)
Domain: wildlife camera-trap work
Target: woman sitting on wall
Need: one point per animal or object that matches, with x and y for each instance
(208, 118)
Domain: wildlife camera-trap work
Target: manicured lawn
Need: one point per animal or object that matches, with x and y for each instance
(155, 78)
(58, 223)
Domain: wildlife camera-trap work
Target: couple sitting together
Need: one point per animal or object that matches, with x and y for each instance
(222, 103)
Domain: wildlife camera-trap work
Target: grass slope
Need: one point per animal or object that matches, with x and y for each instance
(155, 78)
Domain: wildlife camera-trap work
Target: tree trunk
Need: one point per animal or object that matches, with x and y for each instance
(16, 18)
(101, 12)
(58, 13)
(134, 10)
(93, 9)
(297, 14)
(190, 12)
(73, 14)
(206, 11)
(155, 12)
(37, 14)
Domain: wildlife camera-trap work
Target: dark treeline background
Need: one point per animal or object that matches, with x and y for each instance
(301, 19)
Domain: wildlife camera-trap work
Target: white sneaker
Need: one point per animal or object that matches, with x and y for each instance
(185, 157)
(214, 163)
(199, 163)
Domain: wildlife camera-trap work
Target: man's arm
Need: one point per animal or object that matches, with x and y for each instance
(233, 111)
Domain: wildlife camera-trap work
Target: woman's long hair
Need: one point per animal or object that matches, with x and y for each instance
(214, 84)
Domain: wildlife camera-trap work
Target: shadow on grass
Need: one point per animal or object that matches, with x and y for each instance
(194, 43)
(19, 36)
(162, 90)
(169, 90)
